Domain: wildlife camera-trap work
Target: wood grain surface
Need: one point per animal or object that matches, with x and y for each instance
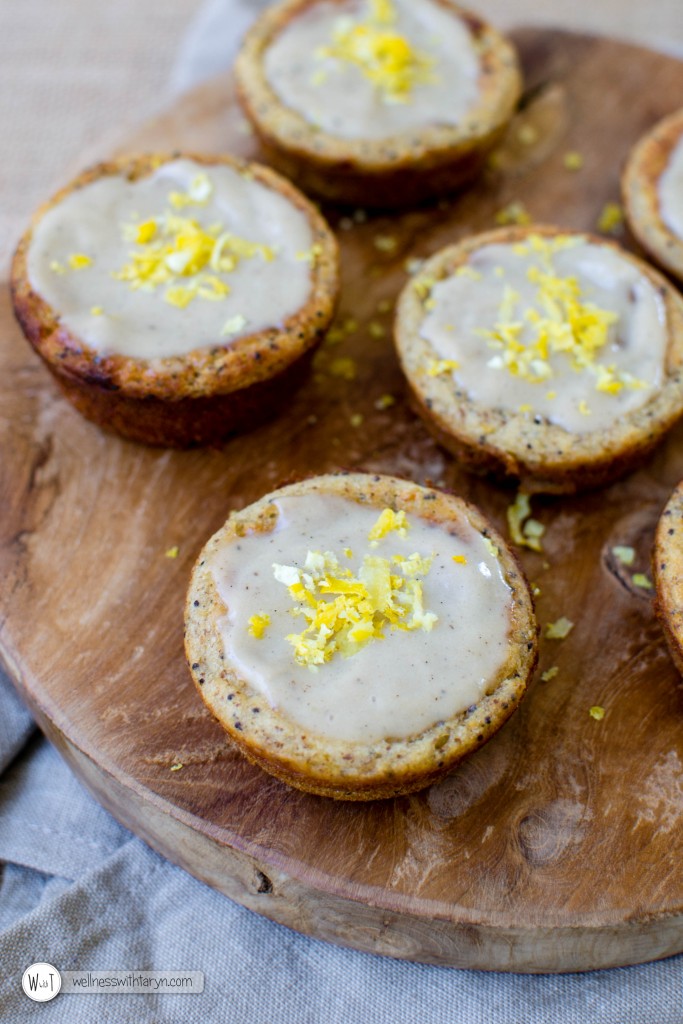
(558, 846)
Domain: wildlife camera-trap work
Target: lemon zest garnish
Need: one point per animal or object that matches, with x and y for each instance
(198, 194)
(460, 559)
(258, 624)
(514, 213)
(57, 268)
(344, 367)
(96, 311)
(234, 325)
(467, 271)
(79, 261)
(310, 255)
(385, 402)
(388, 522)
(559, 630)
(573, 161)
(525, 532)
(188, 258)
(384, 56)
(611, 218)
(642, 581)
(357, 419)
(437, 367)
(377, 330)
(561, 322)
(344, 612)
(385, 243)
(490, 547)
(146, 232)
(597, 712)
(176, 767)
(527, 134)
(172, 552)
(549, 674)
(625, 555)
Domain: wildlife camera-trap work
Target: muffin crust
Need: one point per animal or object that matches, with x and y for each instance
(335, 768)
(209, 393)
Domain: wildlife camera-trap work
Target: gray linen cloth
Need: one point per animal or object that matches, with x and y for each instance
(80, 892)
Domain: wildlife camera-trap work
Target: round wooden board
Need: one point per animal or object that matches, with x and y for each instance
(558, 846)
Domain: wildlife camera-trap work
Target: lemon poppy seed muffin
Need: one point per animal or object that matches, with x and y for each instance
(544, 356)
(376, 102)
(667, 562)
(176, 299)
(652, 187)
(358, 635)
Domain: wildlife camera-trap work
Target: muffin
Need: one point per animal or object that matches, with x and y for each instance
(667, 562)
(381, 103)
(358, 635)
(176, 299)
(547, 357)
(652, 187)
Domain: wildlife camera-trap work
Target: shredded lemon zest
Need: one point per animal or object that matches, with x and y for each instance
(57, 268)
(377, 330)
(559, 630)
(173, 552)
(561, 322)
(611, 218)
(573, 161)
(549, 674)
(79, 261)
(96, 311)
(178, 252)
(198, 194)
(383, 55)
(525, 532)
(460, 559)
(437, 367)
(597, 712)
(357, 419)
(388, 522)
(385, 243)
(490, 547)
(258, 624)
(625, 555)
(385, 402)
(344, 612)
(642, 581)
(344, 367)
(514, 213)
(234, 325)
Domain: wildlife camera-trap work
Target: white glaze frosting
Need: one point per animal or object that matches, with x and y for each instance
(393, 687)
(337, 95)
(671, 191)
(464, 312)
(100, 221)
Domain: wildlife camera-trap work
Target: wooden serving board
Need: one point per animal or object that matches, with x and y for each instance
(558, 846)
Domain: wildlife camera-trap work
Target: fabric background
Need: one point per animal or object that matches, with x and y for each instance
(77, 889)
